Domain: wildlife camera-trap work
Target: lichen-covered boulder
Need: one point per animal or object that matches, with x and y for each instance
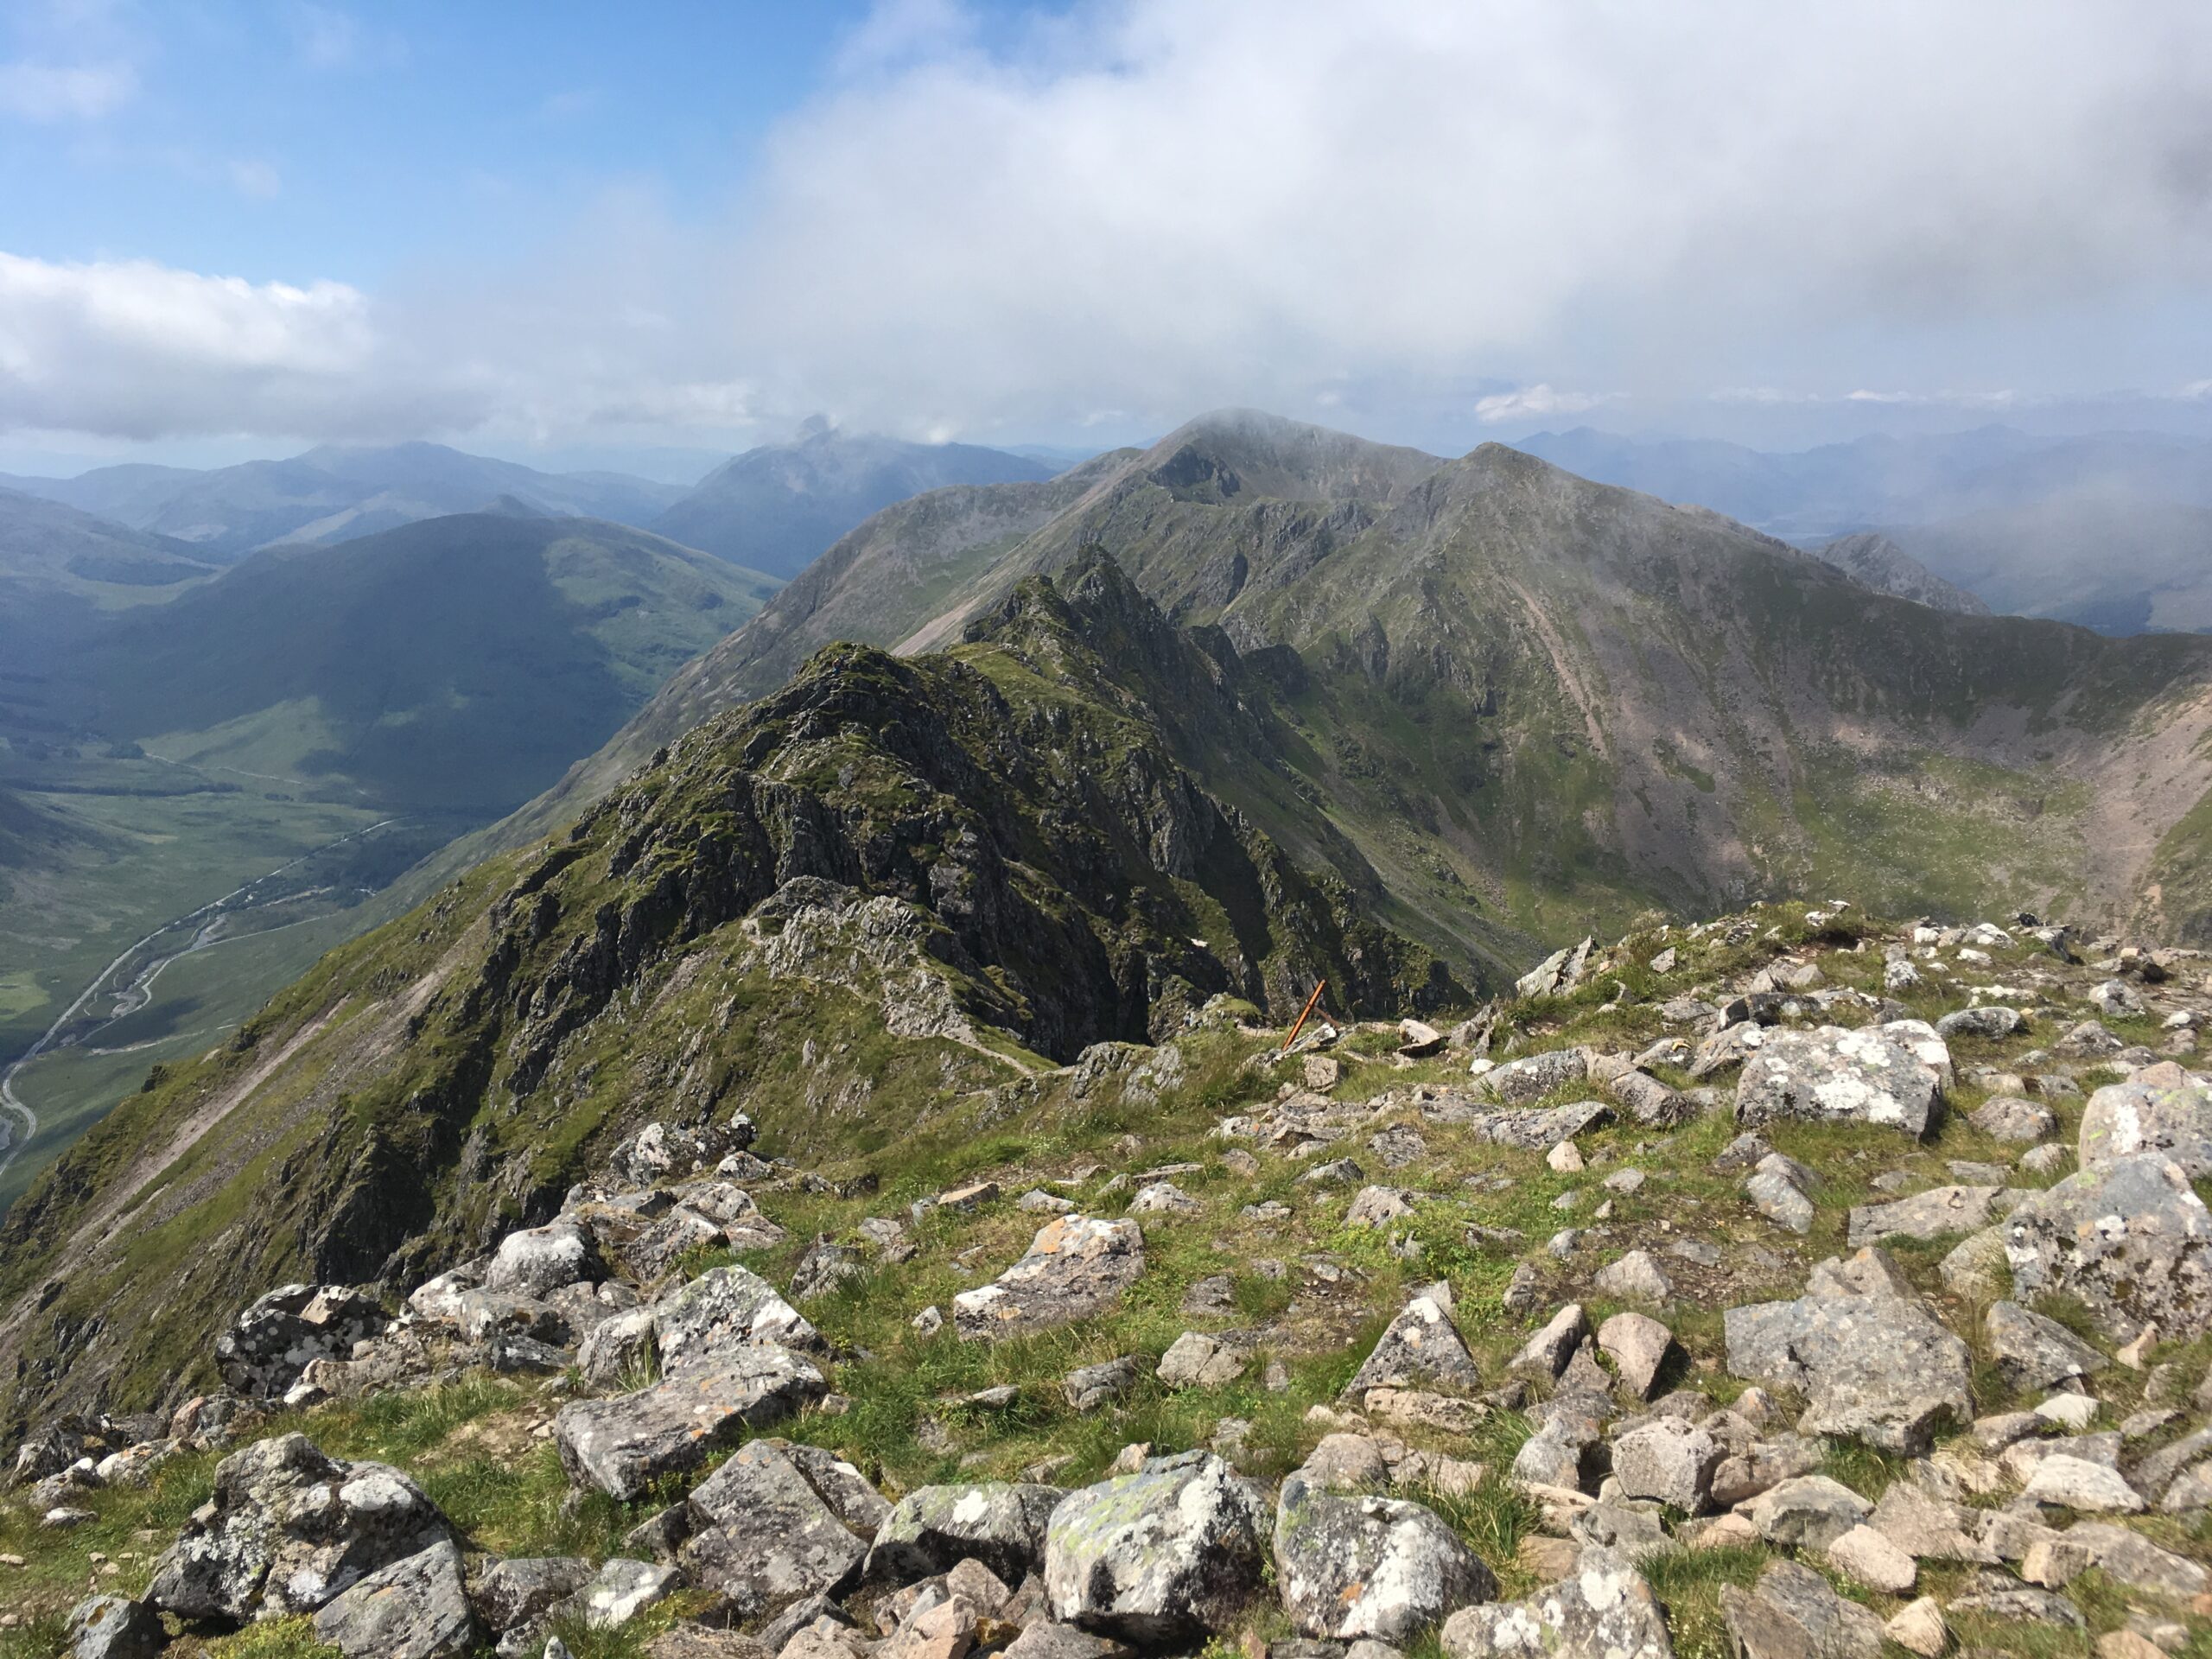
(416, 1608)
(934, 1529)
(2129, 1240)
(1602, 1609)
(1357, 1566)
(537, 1260)
(2162, 1108)
(623, 1443)
(1076, 1267)
(1531, 1078)
(722, 1310)
(287, 1528)
(1164, 1555)
(2033, 1352)
(1871, 1359)
(1892, 1075)
(778, 1524)
(267, 1347)
(114, 1627)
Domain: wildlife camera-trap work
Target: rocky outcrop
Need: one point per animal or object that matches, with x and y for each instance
(289, 1529)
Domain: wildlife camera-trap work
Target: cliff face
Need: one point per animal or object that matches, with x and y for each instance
(862, 909)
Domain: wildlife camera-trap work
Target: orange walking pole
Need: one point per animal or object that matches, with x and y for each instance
(1303, 1014)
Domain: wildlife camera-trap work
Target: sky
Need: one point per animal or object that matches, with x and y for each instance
(580, 233)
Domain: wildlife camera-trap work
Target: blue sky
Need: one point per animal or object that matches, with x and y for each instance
(573, 231)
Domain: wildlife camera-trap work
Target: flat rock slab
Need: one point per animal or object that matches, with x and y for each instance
(1794, 1614)
(1878, 1367)
(1076, 1267)
(1936, 1213)
(623, 1443)
(1892, 1075)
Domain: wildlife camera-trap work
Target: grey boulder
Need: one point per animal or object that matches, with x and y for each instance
(1349, 1567)
(1871, 1359)
(267, 1347)
(777, 1524)
(1794, 1613)
(538, 1261)
(2033, 1352)
(1420, 1349)
(622, 1445)
(1669, 1461)
(1076, 1267)
(287, 1530)
(114, 1627)
(2162, 1108)
(416, 1608)
(1163, 1555)
(1517, 1083)
(722, 1310)
(2129, 1240)
(1936, 1213)
(1892, 1075)
(934, 1529)
(1602, 1609)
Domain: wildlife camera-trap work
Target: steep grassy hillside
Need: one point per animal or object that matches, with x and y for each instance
(458, 664)
(869, 907)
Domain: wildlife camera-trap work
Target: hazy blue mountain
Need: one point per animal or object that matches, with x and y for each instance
(336, 493)
(2108, 529)
(1873, 560)
(1878, 482)
(2116, 563)
(777, 507)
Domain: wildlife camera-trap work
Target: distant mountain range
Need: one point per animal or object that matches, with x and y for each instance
(2110, 531)
(775, 508)
(335, 494)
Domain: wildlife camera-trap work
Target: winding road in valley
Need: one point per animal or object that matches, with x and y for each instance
(18, 1122)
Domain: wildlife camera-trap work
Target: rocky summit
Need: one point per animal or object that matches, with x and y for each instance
(1889, 1324)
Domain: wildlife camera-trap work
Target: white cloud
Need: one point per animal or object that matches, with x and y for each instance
(1537, 402)
(35, 90)
(1152, 207)
(139, 350)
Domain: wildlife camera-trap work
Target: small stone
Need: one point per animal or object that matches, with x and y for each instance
(1566, 1158)
(1918, 1628)
(1869, 1557)
(1639, 1345)
(2076, 1484)
(1635, 1278)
